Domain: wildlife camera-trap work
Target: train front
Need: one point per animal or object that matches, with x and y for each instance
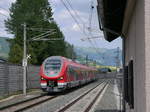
(52, 74)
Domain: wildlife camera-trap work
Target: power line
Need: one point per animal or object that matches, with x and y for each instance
(52, 39)
(4, 9)
(74, 18)
(40, 29)
(90, 27)
(75, 12)
(94, 37)
(4, 14)
(76, 21)
(91, 14)
(77, 15)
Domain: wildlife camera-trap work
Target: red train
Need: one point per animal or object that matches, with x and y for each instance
(59, 73)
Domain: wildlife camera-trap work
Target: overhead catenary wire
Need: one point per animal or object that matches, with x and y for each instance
(74, 18)
(44, 35)
(75, 12)
(4, 9)
(91, 14)
(41, 35)
(76, 21)
(93, 37)
(90, 27)
(78, 16)
(4, 14)
(41, 29)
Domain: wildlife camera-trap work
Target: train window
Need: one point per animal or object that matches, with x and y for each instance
(75, 73)
(52, 67)
(70, 70)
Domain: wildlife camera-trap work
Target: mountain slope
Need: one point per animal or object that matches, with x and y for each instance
(102, 55)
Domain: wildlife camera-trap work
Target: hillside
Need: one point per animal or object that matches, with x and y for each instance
(104, 56)
(4, 47)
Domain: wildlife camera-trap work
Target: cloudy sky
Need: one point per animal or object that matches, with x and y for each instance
(74, 32)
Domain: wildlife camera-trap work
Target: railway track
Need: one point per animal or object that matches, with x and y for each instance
(29, 104)
(23, 105)
(84, 103)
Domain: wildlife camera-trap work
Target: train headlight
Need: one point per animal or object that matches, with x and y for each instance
(60, 78)
(42, 78)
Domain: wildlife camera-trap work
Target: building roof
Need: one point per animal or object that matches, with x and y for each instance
(110, 15)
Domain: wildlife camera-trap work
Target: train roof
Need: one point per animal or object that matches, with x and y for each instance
(71, 62)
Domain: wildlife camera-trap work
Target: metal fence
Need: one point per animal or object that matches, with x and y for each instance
(11, 78)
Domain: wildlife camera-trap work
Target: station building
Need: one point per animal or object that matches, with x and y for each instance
(130, 19)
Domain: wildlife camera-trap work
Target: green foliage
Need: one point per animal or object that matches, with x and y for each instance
(70, 51)
(36, 14)
(4, 48)
(16, 53)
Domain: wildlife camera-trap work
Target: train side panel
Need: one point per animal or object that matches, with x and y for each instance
(70, 75)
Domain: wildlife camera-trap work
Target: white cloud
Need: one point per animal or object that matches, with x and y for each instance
(63, 14)
(64, 20)
(4, 12)
(3, 33)
(75, 27)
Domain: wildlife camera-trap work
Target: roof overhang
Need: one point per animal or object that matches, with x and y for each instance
(110, 16)
(130, 6)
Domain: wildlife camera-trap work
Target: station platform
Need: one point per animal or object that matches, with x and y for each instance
(111, 99)
(15, 99)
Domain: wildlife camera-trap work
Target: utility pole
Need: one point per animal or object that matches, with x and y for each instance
(95, 63)
(72, 55)
(86, 60)
(25, 57)
(24, 60)
(117, 58)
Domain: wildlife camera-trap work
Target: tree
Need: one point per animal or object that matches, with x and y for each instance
(37, 14)
(70, 51)
(16, 56)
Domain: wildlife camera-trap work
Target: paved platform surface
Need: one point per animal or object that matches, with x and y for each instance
(19, 98)
(111, 99)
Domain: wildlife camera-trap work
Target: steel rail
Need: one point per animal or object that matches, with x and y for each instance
(28, 103)
(20, 102)
(35, 104)
(63, 109)
(38, 103)
(94, 100)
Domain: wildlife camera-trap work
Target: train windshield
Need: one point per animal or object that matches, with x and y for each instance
(52, 67)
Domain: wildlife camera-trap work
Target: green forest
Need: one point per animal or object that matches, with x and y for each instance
(38, 16)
